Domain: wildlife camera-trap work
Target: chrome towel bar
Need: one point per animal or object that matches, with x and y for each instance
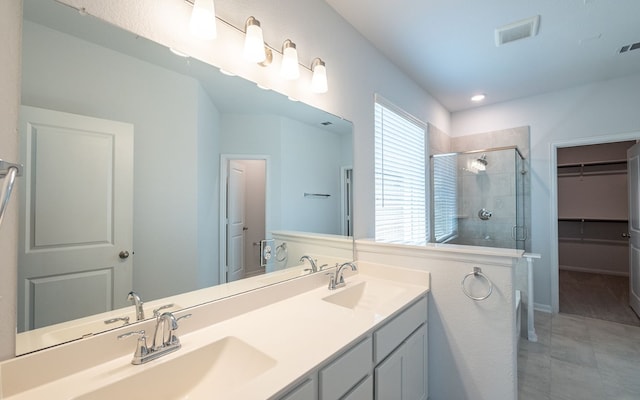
(9, 171)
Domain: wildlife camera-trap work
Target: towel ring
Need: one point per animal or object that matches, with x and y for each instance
(282, 253)
(477, 272)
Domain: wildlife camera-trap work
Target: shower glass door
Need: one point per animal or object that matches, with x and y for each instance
(478, 198)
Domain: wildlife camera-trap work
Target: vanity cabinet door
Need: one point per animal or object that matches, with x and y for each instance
(308, 390)
(364, 390)
(415, 366)
(388, 377)
(403, 375)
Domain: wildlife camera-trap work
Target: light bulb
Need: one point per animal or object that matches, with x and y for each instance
(203, 20)
(289, 68)
(254, 42)
(319, 77)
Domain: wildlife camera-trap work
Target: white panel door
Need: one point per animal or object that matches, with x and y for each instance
(76, 216)
(633, 173)
(235, 220)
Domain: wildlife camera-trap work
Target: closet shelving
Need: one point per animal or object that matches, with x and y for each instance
(591, 226)
(593, 168)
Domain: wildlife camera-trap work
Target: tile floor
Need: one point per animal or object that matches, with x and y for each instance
(579, 358)
(596, 296)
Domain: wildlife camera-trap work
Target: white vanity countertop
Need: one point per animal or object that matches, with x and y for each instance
(292, 336)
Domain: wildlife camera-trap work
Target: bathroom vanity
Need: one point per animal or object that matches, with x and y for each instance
(391, 362)
(292, 340)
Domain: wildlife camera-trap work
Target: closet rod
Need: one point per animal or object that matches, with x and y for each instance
(590, 163)
(593, 220)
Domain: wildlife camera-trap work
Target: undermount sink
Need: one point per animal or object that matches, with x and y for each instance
(207, 372)
(366, 294)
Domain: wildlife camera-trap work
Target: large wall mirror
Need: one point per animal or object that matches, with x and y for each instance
(153, 172)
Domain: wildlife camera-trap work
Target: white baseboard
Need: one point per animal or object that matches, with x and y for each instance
(542, 307)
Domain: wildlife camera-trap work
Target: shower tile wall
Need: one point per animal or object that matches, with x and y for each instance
(518, 137)
(494, 190)
(439, 142)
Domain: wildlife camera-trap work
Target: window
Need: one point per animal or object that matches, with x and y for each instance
(400, 176)
(445, 221)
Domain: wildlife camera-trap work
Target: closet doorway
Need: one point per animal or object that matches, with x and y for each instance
(593, 232)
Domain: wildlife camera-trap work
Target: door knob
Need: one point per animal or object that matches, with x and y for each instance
(124, 254)
(626, 235)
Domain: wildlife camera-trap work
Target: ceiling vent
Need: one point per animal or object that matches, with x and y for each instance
(517, 30)
(629, 47)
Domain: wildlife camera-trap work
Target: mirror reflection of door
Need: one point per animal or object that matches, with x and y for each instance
(75, 216)
(633, 165)
(347, 200)
(245, 217)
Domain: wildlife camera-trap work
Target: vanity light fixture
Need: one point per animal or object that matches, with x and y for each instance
(268, 57)
(254, 49)
(319, 77)
(478, 97)
(289, 68)
(203, 20)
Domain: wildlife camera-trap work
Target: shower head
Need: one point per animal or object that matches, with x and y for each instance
(480, 164)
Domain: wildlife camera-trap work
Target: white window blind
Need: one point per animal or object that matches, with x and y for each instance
(400, 177)
(445, 221)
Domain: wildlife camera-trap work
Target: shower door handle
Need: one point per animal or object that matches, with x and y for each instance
(514, 233)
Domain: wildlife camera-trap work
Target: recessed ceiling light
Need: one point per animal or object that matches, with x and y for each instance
(478, 97)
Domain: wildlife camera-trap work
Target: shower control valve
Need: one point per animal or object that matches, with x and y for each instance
(484, 214)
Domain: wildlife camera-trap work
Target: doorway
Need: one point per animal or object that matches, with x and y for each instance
(243, 215)
(593, 244)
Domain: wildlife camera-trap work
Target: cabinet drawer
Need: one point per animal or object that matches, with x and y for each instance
(397, 330)
(346, 371)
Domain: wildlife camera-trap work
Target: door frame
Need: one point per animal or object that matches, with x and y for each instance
(553, 195)
(224, 171)
(346, 197)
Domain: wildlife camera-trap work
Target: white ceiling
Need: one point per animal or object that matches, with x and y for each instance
(448, 47)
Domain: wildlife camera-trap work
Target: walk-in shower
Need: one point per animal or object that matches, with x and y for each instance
(478, 198)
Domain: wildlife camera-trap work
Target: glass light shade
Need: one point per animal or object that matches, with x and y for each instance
(289, 68)
(319, 78)
(254, 42)
(203, 20)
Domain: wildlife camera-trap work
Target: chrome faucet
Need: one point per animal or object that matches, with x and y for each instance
(314, 266)
(137, 301)
(166, 325)
(337, 280)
